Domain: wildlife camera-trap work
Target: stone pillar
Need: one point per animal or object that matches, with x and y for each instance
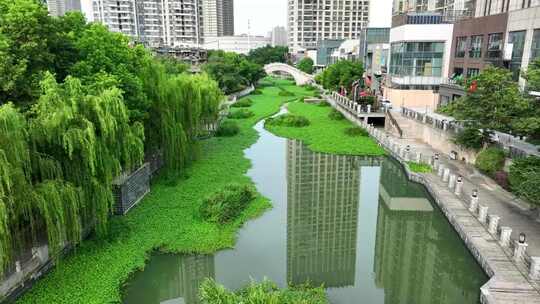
(18, 267)
(424, 118)
(534, 270)
(446, 175)
(452, 181)
(493, 223)
(359, 110)
(519, 250)
(482, 214)
(473, 204)
(440, 172)
(369, 109)
(418, 157)
(459, 186)
(504, 240)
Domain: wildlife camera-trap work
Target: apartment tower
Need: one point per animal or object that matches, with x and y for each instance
(310, 21)
(218, 18)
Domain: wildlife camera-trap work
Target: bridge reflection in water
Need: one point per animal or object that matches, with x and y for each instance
(355, 225)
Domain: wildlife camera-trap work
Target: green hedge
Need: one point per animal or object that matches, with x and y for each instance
(227, 204)
(524, 178)
(243, 103)
(336, 115)
(240, 114)
(288, 120)
(227, 129)
(490, 161)
(356, 131)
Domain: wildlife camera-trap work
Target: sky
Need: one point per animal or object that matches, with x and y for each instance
(262, 14)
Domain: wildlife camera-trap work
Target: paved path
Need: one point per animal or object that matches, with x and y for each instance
(513, 212)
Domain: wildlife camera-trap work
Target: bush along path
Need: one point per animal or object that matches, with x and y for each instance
(168, 219)
(326, 132)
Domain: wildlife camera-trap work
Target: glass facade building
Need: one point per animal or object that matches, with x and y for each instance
(517, 39)
(417, 59)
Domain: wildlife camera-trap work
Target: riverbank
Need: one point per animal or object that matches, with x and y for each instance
(167, 219)
(324, 134)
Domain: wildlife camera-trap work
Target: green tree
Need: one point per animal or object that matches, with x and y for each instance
(106, 53)
(233, 72)
(532, 75)
(343, 73)
(252, 72)
(31, 43)
(305, 65)
(495, 104)
(269, 54)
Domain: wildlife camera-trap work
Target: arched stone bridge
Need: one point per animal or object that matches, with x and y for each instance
(300, 77)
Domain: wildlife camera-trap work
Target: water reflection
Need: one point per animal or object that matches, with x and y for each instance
(170, 279)
(356, 225)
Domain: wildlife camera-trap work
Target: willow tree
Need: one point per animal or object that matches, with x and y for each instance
(181, 106)
(57, 166)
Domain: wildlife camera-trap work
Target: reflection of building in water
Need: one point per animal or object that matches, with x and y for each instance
(170, 279)
(322, 216)
(418, 258)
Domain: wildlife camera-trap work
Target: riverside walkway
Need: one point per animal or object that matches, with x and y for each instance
(489, 223)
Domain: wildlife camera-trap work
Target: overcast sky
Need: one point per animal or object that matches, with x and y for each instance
(263, 14)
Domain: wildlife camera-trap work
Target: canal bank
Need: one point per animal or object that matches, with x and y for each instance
(514, 275)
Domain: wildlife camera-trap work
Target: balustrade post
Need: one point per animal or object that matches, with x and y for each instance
(482, 214)
(504, 239)
(473, 205)
(369, 109)
(519, 250)
(534, 270)
(446, 175)
(493, 223)
(459, 186)
(440, 172)
(418, 157)
(452, 181)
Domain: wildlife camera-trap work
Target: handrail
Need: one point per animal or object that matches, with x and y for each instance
(395, 124)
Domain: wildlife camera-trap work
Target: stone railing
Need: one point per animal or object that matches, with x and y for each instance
(353, 107)
(506, 279)
(240, 94)
(516, 147)
(129, 190)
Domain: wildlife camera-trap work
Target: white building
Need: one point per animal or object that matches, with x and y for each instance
(279, 36)
(237, 44)
(419, 60)
(218, 18)
(310, 21)
(173, 23)
(449, 8)
(348, 50)
(61, 7)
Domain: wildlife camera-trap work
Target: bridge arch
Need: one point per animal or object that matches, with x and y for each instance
(301, 78)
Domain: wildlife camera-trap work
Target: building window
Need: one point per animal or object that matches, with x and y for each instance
(457, 72)
(476, 46)
(471, 72)
(517, 39)
(535, 48)
(494, 47)
(461, 47)
(416, 58)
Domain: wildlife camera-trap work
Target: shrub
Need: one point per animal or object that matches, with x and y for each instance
(524, 178)
(309, 87)
(243, 103)
(472, 138)
(256, 92)
(323, 104)
(265, 292)
(419, 168)
(241, 114)
(285, 93)
(490, 161)
(288, 120)
(225, 205)
(356, 131)
(227, 129)
(336, 115)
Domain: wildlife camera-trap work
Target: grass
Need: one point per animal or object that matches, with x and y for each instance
(288, 120)
(167, 219)
(419, 168)
(324, 134)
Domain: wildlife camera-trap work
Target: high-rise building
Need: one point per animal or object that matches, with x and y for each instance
(279, 36)
(218, 18)
(449, 8)
(310, 21)
(61, 7)
(173, 23)
(322, 216)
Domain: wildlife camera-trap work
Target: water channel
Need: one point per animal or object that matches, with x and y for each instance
(354, 224)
